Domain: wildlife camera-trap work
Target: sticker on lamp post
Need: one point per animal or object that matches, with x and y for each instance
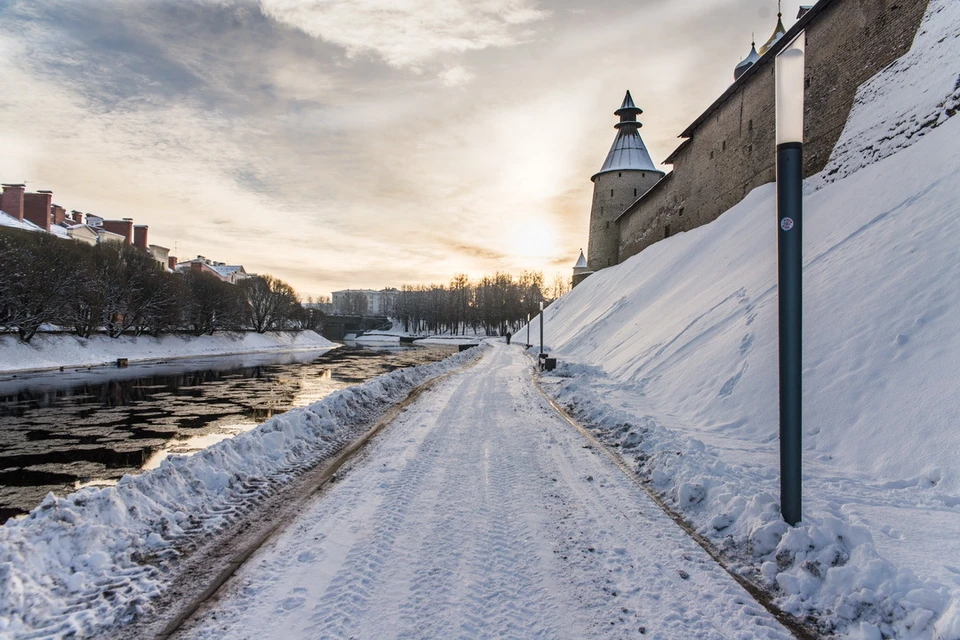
(786, 224)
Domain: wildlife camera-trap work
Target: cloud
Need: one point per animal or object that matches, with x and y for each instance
(296, 137)
(456, 76)
(413, 33)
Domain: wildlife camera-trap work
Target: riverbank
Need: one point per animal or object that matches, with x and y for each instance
(53, 351)
(85, 563)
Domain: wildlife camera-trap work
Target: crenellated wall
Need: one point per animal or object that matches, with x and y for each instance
(729, 149)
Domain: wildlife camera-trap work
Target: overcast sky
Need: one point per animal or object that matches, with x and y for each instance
(354, 143)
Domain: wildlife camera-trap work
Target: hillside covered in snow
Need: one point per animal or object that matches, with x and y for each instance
(672, 357)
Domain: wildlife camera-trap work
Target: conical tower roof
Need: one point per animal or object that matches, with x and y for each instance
(581, 262)
(628, 106)
(628, 152)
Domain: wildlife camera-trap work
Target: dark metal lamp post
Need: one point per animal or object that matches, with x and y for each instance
(789, 108)
(541, 330)
(528, 331)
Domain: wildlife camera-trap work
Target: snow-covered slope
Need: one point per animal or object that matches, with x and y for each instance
(673, 356)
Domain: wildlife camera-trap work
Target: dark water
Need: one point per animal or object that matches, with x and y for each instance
(61, 431)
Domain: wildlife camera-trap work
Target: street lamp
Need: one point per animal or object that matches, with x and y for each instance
(789, 109)
(528, 331)
(541, 329)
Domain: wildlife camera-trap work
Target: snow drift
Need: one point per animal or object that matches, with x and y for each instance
(50, 351)
(672, 357)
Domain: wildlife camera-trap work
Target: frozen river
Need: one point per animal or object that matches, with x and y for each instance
(61, 431)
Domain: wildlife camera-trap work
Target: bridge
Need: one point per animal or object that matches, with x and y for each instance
(335, 327)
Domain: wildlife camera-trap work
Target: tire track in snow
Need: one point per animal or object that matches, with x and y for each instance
(508, 590)
(479, 513)
(349, 593)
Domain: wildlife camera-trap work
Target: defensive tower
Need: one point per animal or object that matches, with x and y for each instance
(626, 174)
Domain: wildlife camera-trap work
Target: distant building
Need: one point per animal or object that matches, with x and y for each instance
(36, 212)
(160, 254)
(361, 302)
(232, 273)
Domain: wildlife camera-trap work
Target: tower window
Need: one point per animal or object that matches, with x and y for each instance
(666, 231)
(606, 225)
(643, 175)
(680, 213)
(601, 210)
(750, 125)
(749, 149)
(611, 193)
(634, 192)
(723, 146)
(711, 154)
(619, 174)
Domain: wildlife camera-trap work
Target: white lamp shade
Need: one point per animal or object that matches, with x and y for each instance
(790, 72)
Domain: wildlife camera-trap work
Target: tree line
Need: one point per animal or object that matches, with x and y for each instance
(47, 281)
(494, 304)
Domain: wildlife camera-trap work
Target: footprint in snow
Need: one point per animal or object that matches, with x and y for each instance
(307, 556)
(291, 602)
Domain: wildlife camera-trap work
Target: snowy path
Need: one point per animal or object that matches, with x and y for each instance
(480, 513)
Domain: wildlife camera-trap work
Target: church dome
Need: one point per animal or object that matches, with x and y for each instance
(778, 32)
(747, 62)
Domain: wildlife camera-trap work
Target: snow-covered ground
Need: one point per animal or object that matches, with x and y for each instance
(393, 335)
(672, 356)
(51, 351)
(453, 341)
(480, 513)
(90, 561)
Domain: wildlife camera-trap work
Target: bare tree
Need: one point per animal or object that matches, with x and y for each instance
(561, 286)
(36, 269)
(355, 303)
(213, 304)
(271, 303)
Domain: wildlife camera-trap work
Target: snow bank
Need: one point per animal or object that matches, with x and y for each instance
(51, 351)
(672, 358)
(905, 101)
(92, 560)
(452, 341)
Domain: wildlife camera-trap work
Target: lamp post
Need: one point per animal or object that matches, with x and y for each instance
(541, 329)
(789, 109)
(528, 331)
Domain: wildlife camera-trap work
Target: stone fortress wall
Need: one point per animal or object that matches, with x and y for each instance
(613, 192)
(730, 148)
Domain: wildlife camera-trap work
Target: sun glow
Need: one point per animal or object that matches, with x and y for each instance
(532, 238)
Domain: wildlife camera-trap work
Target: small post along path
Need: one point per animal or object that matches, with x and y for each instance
(481, 513)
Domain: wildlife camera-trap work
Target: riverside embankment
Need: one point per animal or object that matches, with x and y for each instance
(55, 350)
(60, 431)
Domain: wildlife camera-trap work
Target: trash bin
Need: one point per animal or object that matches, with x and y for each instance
(549, 364)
